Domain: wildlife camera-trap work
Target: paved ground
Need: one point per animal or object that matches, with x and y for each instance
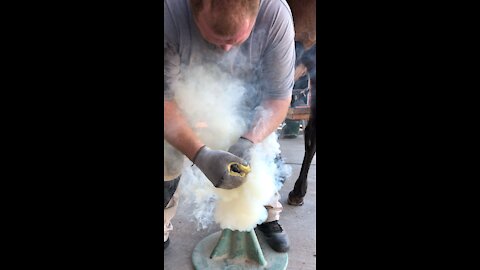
(298, 221)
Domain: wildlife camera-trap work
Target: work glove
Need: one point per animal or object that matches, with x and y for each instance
(223, 169)
(242, 148)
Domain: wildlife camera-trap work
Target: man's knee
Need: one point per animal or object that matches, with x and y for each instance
(281, 175)
(169, 188)
(173, 162)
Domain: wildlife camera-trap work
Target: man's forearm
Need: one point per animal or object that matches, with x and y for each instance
(267, 120)
(177, 132)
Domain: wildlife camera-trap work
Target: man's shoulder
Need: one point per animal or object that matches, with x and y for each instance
(274, 16)
(284, 4)
(176, 6)
(176, 16)
(275, 6)
(173, 2)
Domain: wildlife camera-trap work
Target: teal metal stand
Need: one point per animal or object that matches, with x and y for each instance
(235, 250)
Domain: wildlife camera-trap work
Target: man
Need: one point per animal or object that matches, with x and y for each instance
(260, 35)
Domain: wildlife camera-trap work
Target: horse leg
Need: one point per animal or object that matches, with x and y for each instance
(295, 197)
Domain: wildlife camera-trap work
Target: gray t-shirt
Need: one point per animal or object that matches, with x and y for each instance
(265, 60)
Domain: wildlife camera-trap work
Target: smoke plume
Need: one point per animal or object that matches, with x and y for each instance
(212, 102)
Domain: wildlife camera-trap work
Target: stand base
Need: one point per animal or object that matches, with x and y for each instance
(201, 257)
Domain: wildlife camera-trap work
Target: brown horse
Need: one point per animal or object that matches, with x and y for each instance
(304, 17)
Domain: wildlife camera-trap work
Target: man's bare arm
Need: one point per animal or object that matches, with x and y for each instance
(267, 120)
(177, 132)
(213, 163)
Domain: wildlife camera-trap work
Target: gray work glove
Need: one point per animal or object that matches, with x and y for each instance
(217, 167)
(242, 148)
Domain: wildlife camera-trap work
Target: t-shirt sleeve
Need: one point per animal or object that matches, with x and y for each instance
(171, 57)
(278, 62)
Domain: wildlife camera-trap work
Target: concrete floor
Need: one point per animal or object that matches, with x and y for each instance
(298, 221)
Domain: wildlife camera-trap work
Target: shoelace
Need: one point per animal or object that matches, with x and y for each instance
(277, 227)
(273, 227)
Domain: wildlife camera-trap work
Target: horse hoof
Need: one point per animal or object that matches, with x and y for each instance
(294, 200)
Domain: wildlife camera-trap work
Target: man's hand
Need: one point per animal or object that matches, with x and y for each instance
(242, 148)
(215, 164)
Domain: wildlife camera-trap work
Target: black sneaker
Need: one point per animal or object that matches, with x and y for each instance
(276, 238)
(166, 243)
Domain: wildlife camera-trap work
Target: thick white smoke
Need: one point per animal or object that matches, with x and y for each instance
(211, 101)
(244, 207)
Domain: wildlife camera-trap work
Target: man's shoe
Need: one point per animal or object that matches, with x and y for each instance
(276, 238)
(166, 243)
